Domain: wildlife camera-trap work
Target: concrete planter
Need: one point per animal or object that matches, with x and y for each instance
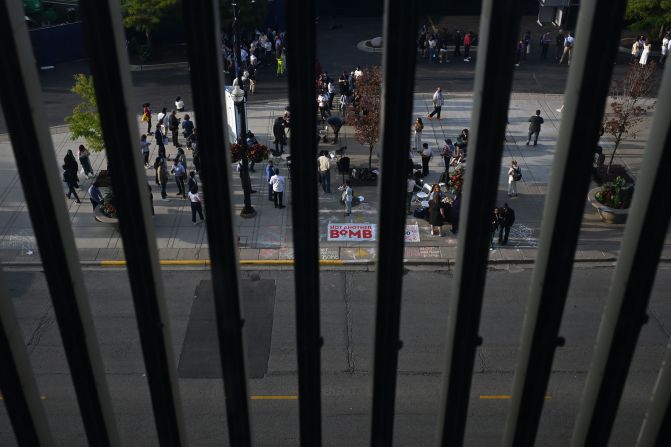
(607, 214)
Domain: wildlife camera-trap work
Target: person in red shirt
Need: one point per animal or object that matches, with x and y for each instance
(468, 39)
(146, 117)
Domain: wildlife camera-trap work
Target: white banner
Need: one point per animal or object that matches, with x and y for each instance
(351, 232)
(412, 233)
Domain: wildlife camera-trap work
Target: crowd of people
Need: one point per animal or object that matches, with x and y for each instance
(432, 45)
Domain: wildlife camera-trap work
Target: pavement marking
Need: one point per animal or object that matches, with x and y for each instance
(271, 397)
(504, 396)
(112, 263)
(42, 397)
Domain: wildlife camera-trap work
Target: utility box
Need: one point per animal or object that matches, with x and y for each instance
(233, 118)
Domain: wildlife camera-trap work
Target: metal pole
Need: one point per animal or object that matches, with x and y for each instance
(248, 210)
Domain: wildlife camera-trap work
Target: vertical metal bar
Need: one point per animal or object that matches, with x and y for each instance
(499, 25)
(398, 63)
(17, 382)
(38, 171)
(656, 427)
(305, 211)
(597, 38)
(111, 77)
(634, 276)
(202, 30)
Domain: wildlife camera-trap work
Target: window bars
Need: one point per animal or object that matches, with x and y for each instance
(587, 88)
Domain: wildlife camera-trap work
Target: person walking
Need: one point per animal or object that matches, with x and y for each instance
(70, 177)
(277, 181)
(146, 117)
(506, 221)
(270, 171)
(162, 120)
(162, 174)
(494, 218)
(545, 44)
(437, 103)
(427, 154)
(144, 148)
(527, 44)
(173, 125)
(568, 49)
(196, 207)
(665, 48)
(85, 161)
(179, 172)
(95, 196)
(335, 123)
(514, 175)
(535, 122)
(323, 103)
(457, 43)
(419, 127)
(559, 44)
(436, 215)
(410, 191)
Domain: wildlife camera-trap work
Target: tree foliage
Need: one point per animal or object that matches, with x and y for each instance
(144, 15)
(627, 108)
(365, 112)
(649, 16)
(85, 120)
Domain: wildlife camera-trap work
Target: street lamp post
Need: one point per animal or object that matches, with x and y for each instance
(239, 98)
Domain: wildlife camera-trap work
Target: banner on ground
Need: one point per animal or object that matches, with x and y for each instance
(351, 232)
(412, 233)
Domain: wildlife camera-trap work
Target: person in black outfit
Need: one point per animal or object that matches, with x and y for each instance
(173, 125)
(70, 168)
(193, 183)
(280, 136)
(436, 215)
(506, 221)
(159, 141)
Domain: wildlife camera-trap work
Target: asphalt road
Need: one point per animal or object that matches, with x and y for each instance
(347, 321)
(336, 51)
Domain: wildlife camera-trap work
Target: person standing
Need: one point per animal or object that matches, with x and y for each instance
(179, 104)
(568, 49)
(559, 42)
(158, 136)
(347, 196)
(193, 182)
(95, 196)
(162, 174)
(545, 45)
(173, 125)
(70, 178)
(324, 164)
(447, 153)
(432, 49)
(410, 191)
(527, 44)
(535, 122)
(436, 215)
(437, 103)
(468, 40)
(427, 154)
(196, 207)
(645, 54)
(665, 48)
(85, 160)
(494, 219)
(277, 181)
(419, 127)
(280, 136)
(187, 128)
(162, 120)
(322, 102)
(270, 171)
(457, 43)
(519, 51)
(506, 221)
(514, 175)
(146, 117)
(178, 171)
(144, 147)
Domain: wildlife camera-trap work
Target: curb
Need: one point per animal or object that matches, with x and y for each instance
(150, 67)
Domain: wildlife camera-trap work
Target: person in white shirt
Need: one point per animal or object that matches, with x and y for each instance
(277, 181)
(569, 41)
(437, 103)
(410, 192)
(432, 49)
(645, 54)
(162, 118)
(196, 207)
(324, 165)
(179, 104)
(514, 175)
(322, 102)
(358, 73)
(665, 47)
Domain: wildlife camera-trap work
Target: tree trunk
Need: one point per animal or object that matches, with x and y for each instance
(370, 156)
(612, 156)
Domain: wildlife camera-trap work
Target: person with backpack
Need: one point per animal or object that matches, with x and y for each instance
(506, 220)
(514, 176)
(447, 153)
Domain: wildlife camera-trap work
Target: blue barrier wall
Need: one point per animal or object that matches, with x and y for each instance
(56, 44)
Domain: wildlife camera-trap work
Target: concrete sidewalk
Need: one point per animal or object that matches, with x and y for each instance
(269, 236)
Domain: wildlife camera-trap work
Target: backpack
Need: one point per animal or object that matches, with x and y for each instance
(517, 174)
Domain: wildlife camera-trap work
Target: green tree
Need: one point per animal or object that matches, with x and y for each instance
(144, 15)
(365, 112)
(650, 16)
(85, 120)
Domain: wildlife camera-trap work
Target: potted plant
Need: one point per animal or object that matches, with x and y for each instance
(612, 200)
(107, 211)
(456, 180)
